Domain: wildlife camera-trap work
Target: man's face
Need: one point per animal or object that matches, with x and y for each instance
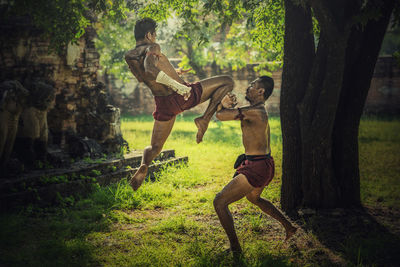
(252, 90)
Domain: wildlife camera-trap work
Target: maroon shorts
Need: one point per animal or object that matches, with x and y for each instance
(259, 170)
(171, 105)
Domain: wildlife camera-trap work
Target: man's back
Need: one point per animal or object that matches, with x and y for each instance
(136, 62)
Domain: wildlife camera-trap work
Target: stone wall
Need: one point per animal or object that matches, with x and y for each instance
(135, 98)
(25, 56)
(384, 95)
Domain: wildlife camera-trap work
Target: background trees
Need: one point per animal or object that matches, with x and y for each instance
(330, 49)
(64, 21)
(222, 34)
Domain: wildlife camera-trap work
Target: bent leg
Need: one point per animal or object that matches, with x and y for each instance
(233, 191)
(214, 88)
(267, 207)
(161, 131)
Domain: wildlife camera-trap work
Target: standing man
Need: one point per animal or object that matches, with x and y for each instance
(255, 168)
(172, 95)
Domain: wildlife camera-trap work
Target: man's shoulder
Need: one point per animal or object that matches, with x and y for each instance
(130, 54)
(153, 47)
(258, 108)
(137, 51)
(254, 113)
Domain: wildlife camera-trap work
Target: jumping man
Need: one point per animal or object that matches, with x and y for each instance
(255, 168)
(172, 95)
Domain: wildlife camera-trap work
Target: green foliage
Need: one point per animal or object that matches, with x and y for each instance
(268, 19)
(96, 172)
(113, 41)
(229, 34)
(64, 21)
(53, 179)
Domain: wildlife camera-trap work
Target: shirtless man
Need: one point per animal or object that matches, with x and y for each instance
(255, 168)
(171, 94)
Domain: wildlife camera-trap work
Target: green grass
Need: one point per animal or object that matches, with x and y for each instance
(380, 162)
(171, 221)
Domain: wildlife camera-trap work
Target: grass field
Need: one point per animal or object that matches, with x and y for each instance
(171, 221)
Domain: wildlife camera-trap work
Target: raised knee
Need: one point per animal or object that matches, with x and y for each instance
(230, 82)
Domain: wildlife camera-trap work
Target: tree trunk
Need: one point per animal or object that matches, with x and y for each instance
(317, 116)
(361, 55)
(298, 47)
(322, 136)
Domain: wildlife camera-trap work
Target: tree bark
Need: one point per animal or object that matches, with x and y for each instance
(361, 55)
(320, 129)
(298, 48)
(317, 115)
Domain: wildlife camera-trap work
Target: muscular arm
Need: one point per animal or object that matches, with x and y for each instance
(228, 114)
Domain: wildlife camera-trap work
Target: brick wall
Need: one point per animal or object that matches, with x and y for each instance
(383, 98)
(135, 98)
(25, 56)
(384, 93)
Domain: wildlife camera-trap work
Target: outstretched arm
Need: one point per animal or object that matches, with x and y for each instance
(227, 114)
(225, 110)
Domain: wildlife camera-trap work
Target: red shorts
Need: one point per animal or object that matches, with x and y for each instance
(258, 171)
(171, 105)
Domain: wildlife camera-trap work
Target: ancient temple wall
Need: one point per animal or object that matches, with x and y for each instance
(383, 97)
(135, 98)
(25, 56)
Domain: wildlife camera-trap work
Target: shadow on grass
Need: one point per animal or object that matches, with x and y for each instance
(357, 236)
(206, 255)
(56, 235)
(61, 235)
(44, 242)
(224, 259)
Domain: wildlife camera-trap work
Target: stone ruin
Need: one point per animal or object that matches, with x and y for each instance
(135, 98)
(383, 96)
(59, 134)
(52, 106)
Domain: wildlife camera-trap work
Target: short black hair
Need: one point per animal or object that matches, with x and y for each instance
(267, 84)
(143, 26)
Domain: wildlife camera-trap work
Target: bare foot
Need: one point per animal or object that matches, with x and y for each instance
(202, 125)
(138, 178)
(290, 232)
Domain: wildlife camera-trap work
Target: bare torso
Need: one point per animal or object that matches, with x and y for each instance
(256, 131)
(136, 62)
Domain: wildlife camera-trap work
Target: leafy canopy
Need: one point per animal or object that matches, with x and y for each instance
(64, 21)
(225, 33)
